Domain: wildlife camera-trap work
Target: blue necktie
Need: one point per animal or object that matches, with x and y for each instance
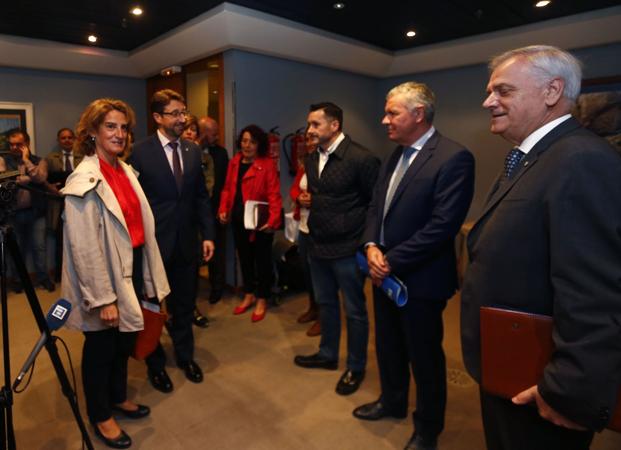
(402, 167)
(512, 161)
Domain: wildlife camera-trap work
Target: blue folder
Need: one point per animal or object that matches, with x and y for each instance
(392, 286)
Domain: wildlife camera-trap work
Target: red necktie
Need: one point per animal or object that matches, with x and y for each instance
(177, 172)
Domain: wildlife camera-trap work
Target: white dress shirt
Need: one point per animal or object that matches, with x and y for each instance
(169, 151)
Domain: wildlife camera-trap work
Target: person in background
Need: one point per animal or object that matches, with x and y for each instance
(548, 241)
(60, 164)
(29, 220)
(208, 136)
(190, 133)
(419, 203)
(171, 176)
(252, 175)
(302, 200)
(341, 175)
(109, 233)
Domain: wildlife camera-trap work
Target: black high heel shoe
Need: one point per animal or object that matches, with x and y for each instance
(121, 441)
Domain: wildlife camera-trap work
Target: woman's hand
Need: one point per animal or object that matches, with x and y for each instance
(109, 314)
(223, 218)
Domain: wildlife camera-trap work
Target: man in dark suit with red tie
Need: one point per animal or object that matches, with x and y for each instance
(171, 176)
(420, 200)
(548, 241)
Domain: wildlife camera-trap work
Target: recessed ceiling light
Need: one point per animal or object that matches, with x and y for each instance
(411, 33)
(338, 5)
(213, 65)
(542, 3)
(136, 11)
(92, 38)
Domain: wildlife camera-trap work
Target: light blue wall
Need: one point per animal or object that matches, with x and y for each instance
(59, 98)
(459, 94)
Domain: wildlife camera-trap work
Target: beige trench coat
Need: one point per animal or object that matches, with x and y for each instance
(97, 251)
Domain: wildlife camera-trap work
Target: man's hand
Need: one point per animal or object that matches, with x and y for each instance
(304, 199)
(208, 249)
(532, 395)
(25, 152)
(109, 314)
(378, 265)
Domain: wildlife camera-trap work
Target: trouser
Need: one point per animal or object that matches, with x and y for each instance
(330, 275)
(255, 260)
(411, 337)
(29, 229)
(303, 244)
(182, 279)
(217, 264)
(519, 427)
(104, 370)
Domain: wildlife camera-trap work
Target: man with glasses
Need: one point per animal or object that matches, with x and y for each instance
(171, 176)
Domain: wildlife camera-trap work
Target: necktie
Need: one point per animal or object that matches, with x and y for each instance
(68, 167)
(511, 161)
(177, 166)
(403, 165)
(400, 170)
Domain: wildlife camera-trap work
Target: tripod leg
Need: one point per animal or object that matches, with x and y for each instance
(6, 396)
(51, 343)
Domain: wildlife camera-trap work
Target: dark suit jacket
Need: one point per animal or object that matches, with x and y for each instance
(426, 212)
(340, 198)
(178, 217)
(549, 242)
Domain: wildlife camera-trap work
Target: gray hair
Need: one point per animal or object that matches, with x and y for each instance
(415, 94)
(547, 62)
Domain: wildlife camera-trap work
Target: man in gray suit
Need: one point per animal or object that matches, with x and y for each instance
(549, 242)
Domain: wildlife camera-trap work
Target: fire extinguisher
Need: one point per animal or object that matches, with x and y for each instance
(297, 145)
(273, 139)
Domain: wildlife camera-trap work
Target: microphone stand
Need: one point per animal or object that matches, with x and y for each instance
(7, 432)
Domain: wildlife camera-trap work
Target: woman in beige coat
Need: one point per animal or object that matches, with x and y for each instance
(110, 261)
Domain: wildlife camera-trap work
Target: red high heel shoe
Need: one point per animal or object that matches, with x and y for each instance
(240, 309)
(258, 317)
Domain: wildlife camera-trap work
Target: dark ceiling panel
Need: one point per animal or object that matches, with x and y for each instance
(382, 24)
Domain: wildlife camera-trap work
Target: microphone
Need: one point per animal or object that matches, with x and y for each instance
(56, 318)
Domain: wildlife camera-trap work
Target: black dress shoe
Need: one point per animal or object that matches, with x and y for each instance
(142, 411)
(376, 411)
(315, 361)
(417, 442)
(192, 371)
(160, 380)
(48, 284)
(215, 297)
(121, 441)
(349, 382)
(200, 320)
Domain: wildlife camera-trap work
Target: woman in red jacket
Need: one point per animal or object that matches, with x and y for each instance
(252, 175)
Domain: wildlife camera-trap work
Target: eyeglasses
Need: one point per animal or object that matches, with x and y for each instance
(176, 114)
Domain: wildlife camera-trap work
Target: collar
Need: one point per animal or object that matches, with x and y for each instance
(164, 140)
(532, 139)
(334, 145)
(421, 141)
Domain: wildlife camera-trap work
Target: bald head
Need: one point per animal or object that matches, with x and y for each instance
(208, 131)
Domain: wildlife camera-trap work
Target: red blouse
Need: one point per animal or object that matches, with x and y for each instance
(127, 198)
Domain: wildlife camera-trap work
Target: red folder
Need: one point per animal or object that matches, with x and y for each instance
(515, 348)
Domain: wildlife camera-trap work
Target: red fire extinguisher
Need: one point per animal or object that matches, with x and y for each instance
(297, 146)
(273, 139)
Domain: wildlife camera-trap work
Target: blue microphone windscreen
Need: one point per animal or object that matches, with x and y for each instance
(58, 314)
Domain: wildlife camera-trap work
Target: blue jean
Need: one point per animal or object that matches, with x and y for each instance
(330, 275)
(29, 228)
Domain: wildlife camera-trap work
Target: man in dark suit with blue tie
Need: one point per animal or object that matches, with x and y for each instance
(548, 241)
(420, 200)
(171, 176)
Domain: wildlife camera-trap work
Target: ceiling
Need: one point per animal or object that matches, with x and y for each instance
(383, 26)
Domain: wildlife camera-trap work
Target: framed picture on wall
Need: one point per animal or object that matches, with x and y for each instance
(599, 108)
(16, 115)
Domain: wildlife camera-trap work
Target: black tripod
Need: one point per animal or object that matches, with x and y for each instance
(7, 434)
